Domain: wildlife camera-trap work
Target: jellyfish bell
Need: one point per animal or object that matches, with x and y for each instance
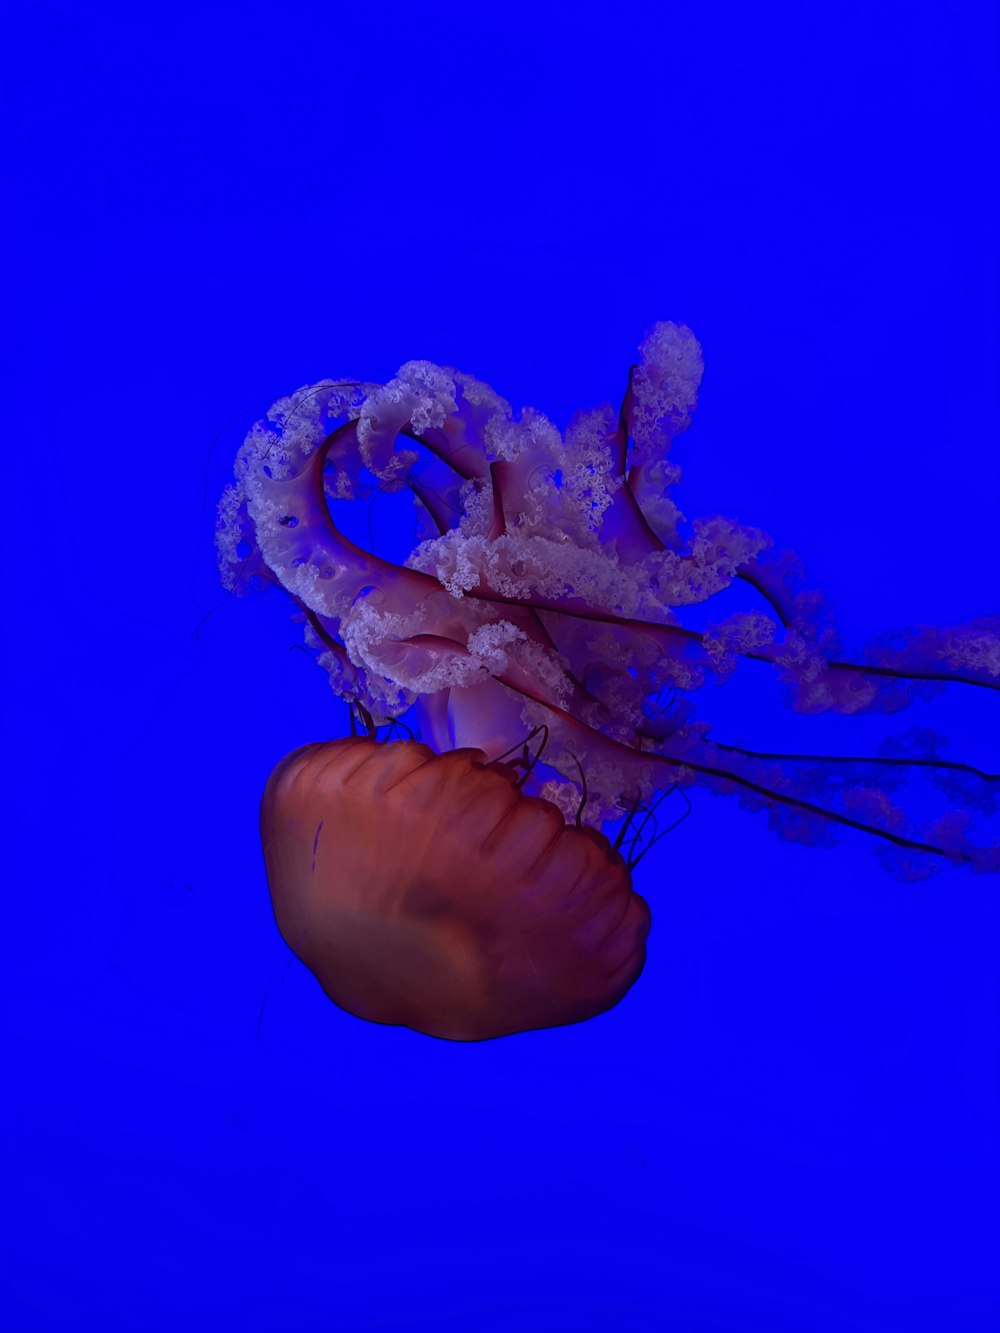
(428, 891)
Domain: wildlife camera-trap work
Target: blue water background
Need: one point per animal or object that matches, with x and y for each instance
(791, 1122)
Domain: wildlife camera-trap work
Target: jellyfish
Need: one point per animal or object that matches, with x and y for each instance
(462, 876)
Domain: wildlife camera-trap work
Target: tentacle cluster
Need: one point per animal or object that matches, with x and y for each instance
(548, 592)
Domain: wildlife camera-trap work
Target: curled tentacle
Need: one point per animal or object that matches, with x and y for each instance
(548, 598)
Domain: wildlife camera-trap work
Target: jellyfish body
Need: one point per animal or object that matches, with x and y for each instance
(546, 597)
(426, 890)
